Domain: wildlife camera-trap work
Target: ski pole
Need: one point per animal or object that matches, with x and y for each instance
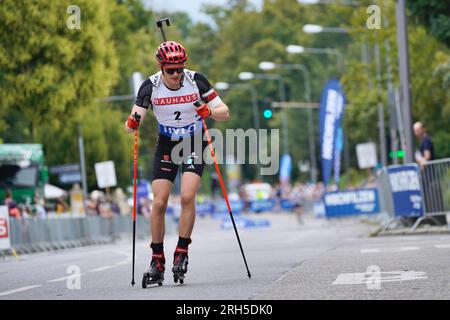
(224, 191)
(160, 25)
(138, 118)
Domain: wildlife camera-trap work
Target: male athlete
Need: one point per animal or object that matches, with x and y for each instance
(171, 94)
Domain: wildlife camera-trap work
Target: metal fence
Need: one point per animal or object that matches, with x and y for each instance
(435, 186)
(435, 179)
(54, 233)
(385, 193)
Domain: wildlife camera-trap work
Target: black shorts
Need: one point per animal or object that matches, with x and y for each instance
(165, 164)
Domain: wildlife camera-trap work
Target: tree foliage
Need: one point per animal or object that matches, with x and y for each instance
(428, 73)
(49, 71)
(434, 15)
(52, 78)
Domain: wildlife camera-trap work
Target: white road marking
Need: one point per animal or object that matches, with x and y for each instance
(442, 246)
(65, 278)
(377, 250)
(124, 262)
(122, 253)
(390, 276)
(409, 248)
(101, 269)
(370, 250)
(6, 293)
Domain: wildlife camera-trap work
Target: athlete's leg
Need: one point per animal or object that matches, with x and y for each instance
(164, 173)
(190, 183)
(161, 191)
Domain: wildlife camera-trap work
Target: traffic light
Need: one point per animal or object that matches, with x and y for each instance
(268, 113)
(267, 108)
(400, 154)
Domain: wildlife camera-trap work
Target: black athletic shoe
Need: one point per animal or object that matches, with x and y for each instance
(155, 273)
(180, 262)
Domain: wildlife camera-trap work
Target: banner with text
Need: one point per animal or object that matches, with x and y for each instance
(351, 202)
(5, 242)
(406, 190)
(331, 110)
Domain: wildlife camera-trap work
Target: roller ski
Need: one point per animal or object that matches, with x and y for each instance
(180, 262)
(156, 272)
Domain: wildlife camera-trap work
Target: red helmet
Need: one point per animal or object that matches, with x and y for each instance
(171, 52)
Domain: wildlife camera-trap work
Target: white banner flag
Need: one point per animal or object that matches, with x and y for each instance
(5, 233)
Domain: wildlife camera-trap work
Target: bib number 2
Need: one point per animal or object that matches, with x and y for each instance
(177, 115)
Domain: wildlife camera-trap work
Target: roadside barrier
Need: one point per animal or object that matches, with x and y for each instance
(436, 191)
(411, 195)
(30, 235)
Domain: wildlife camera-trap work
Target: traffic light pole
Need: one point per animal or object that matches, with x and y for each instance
(284, 115)
(282, 93)
(255, 115)
(391, 101)
(381, 129)
(403, 57)
(307, 84)
(312, 146)
(256, 120)
(255, 107)
(296, 105)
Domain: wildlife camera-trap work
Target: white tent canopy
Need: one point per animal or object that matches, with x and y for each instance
(53, 192)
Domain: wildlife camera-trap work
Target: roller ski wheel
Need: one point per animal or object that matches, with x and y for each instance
(155, 275)
(180, 262)
(147, 280)
(178, 277)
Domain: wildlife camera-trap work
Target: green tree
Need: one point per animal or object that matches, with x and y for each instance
(434, 15)
(51, 77)
(49, 71)
(429, 61)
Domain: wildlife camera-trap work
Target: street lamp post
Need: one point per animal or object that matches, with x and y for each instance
(226, 86)
(266, 65)
(246, 86)
(312, 28)
(297, 49)
(315, 28)
(282, 92)
(343, 2)
(382, 137)
(403, 58)
(82, 163)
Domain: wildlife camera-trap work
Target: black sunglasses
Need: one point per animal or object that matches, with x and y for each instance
(172, 71)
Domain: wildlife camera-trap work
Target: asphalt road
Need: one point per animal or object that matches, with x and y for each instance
(315, 259)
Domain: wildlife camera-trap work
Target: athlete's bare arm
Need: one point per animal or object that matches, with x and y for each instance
(221, 112)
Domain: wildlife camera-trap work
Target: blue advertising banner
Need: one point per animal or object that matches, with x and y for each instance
(285, 168)
(220, 206)
(319, 209)
(406, 190)
(245, 223)
(143, 190)
(287, 204)
(337, 154)
(331, 108)
(351, 202)
(204, 208)
(262, 205)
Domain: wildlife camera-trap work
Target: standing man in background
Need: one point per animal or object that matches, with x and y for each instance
(426, 148)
